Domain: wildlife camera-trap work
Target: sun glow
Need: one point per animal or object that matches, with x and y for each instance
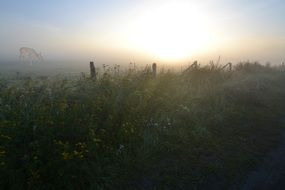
(173, 31)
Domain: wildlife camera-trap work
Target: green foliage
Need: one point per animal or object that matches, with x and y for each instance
(203, 129)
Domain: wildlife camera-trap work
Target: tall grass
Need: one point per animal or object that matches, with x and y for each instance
(203, 129)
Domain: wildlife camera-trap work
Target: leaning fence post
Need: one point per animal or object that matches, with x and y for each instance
(92, 70)
(231, 65)
(154, 69)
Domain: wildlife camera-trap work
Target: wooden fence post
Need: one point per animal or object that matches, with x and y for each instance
(154, 69)
(92, 70)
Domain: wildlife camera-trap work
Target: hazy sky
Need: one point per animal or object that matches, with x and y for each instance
(144, 30)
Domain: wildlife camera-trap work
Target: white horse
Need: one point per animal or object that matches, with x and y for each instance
(30, 54)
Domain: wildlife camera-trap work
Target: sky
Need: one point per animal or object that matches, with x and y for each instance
(144, 31)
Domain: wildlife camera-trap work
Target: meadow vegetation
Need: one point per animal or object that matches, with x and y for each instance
(201, 129)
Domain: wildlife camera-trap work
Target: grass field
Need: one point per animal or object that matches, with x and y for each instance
(203, 129)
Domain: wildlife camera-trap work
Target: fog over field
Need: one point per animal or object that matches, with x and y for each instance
(142, 94)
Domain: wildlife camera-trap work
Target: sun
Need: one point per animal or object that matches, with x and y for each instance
(172, 31)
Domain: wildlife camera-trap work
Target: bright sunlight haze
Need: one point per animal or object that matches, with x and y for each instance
(172, 31)
(144, 31)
